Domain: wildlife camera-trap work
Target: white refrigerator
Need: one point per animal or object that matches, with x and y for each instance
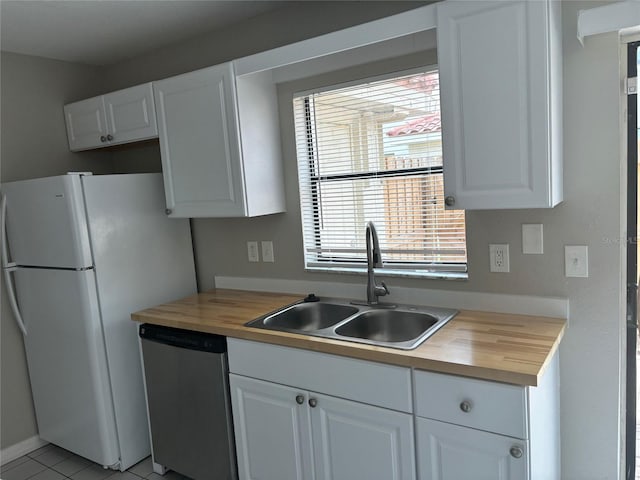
(84, 252)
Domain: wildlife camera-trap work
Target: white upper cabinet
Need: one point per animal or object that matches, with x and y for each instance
(501, 101)
(220, 144)
(86, 124)
(131, 114)
(119, 117)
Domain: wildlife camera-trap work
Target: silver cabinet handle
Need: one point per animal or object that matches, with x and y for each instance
(313, 402)
(466, 406)
(109, 137)
(516, 451)
(449, 200)
(103, 138)
(299, 399)
(168, 211)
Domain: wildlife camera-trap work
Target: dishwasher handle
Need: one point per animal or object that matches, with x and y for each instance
(190, 340)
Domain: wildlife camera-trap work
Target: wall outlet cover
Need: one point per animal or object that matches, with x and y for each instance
(267, 251)
(576, 261)
(499, 258)
(532, 239)
(252, 251)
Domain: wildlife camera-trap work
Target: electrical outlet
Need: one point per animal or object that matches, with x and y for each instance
(267, 251)
(252, 252)
(499, 258)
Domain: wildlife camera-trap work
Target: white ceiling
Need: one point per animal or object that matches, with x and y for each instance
(104, 32)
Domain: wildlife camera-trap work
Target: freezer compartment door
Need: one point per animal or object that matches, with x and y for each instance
(46, 222)
(67, 361)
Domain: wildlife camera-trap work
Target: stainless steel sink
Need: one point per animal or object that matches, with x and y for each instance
(309, 316)
(403, 326)
(387, 325)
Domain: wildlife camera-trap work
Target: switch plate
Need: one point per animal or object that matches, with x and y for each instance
(576, 261)
(252, 251)
(532, 239)
(267, 251)
(499, 258)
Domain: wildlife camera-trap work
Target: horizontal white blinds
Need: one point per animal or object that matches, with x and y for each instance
(373, 152)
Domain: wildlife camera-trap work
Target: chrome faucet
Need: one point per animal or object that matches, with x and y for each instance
(374, 260)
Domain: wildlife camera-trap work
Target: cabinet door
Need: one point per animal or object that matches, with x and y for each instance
(131, 114)
(494, 61)
(352, 440)
(86, 124)
(199, 145)
(272, 430)
(451, 452)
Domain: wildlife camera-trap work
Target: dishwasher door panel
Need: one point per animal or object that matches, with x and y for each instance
(189, 411)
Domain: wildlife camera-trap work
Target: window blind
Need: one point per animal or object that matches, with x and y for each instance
(373, 152)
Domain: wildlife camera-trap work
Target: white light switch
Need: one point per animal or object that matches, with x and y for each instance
(532, 239)
(576, 261)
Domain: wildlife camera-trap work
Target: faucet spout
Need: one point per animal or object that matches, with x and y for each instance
(374, 260)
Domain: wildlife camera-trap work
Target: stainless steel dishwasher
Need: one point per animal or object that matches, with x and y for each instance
(186, 376)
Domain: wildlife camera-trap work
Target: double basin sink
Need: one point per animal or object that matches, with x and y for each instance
(397, 326)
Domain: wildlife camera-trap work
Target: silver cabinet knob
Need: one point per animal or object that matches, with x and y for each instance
(313, 402)
(466, 406)
(516, 451)
(168, 211)
(299, 399)
(103, 138)
(449, 200)
(109, 137)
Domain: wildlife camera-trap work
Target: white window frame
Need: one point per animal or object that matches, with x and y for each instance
(449, 271)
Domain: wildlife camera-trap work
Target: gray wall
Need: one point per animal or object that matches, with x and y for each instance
(297, 21)
(34, 144)
(591, 365)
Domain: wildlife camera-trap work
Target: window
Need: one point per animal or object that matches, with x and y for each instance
(373, 152)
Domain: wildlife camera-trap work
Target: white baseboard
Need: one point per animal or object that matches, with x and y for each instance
(487, 302)
(21, 448)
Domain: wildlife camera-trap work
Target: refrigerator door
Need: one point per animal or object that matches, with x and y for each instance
(142, 258)
(67, 361)
(46, 222)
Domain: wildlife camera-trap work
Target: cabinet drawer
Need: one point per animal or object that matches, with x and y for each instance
(373, 383)
(494, 407)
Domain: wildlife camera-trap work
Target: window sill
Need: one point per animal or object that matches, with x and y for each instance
(389, 272)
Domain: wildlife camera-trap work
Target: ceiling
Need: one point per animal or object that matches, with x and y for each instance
(105, 32)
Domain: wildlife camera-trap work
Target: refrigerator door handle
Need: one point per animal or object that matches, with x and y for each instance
(8, 267)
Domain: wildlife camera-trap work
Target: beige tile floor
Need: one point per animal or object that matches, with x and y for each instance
(54, 463)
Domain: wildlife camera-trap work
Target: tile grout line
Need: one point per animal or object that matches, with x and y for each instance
(28, 457)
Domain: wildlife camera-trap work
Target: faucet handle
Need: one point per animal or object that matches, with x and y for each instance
(386, 290)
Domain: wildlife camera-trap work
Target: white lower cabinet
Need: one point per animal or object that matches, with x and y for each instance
(362, 424)
(273, 430)
(470, 429)
(353, 440)
(452, 452)
(285, 433)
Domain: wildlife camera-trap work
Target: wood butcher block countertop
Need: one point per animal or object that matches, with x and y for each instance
(493, 346)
